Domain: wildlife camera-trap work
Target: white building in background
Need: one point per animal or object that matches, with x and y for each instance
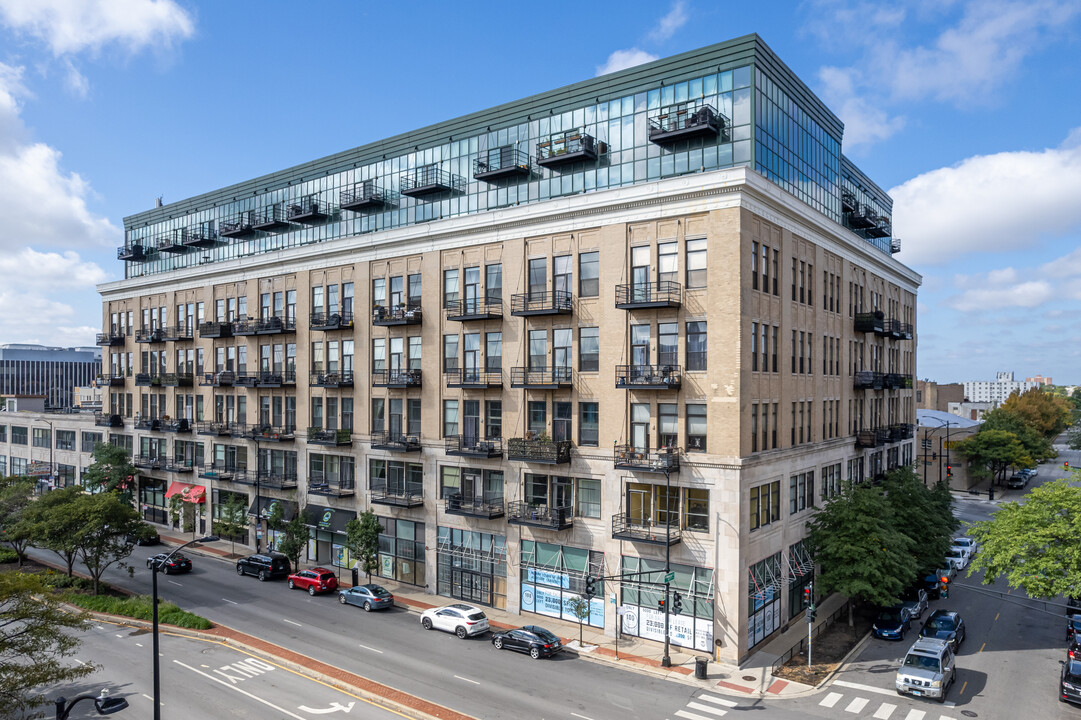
(996, 391)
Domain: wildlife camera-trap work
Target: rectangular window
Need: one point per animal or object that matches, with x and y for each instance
(754, 427)
(588, 498)
(754, 265)
(696, 428)
(667, 425)
(696, 263)
(589, 349)
(588, 423)
(43, 437)
(493, 418)
(589, 274)
(65, 439)
(668, 343)
(667, 262)
(450, 353)
(450, 418)
(450, 288)
(493, 357)
(493, 284)
(773, 347)
(378, 414)
(754, 347)
(696, 346)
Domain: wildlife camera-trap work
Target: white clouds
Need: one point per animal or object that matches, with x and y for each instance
(622, 59)
(73, 26)
(674, 20)
(988, 203)
(1030, 294)
(49, 271)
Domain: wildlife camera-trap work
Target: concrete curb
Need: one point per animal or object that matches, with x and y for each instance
(844, 661)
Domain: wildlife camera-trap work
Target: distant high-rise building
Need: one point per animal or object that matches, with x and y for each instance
(996, 391)
(52, 372)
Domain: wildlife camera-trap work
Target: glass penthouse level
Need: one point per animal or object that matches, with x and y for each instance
(730, 104)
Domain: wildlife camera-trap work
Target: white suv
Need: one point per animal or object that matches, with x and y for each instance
(928, 670)
(461, 619)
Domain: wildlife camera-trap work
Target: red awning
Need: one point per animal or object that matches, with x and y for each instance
(188, 493)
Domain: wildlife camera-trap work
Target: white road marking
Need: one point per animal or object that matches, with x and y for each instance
(292, 623)
(138, 644)
(230, 601)
(864, 688)
(690, 715)
(884, 711)
(119, 635)
(379, 651)
(467, 680)
(831, 700)
(334, 707)
(581, 716)
(176, 583)
(99, 627)
(707, 708)
(856, 705)
(715, 699)
(915, 715)
(80, 662)
(152, 699)
(239, 690)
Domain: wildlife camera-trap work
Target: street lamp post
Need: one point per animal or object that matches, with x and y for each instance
(154, 569)
(103, 704)
(666, 661)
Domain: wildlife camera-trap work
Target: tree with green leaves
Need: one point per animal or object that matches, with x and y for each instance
(918, 513)
(16, 494)
(111, 471)
(362, 539)
(1034, 544)
(579, 608)
(275, 518)
(232, 519)
(1047, 413)
(1035, 443)
(993, 452)
(54, 525)
(294, 540)
(34, 641)
(107, 523)
(855, 541)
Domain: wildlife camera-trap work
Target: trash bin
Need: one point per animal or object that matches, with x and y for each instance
(700, 667)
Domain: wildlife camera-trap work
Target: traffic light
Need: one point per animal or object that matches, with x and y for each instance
(806, 597)
(944, 592)
(812, 613)
(677, 604)
(590, 586)
(660, 605)
(949, 471)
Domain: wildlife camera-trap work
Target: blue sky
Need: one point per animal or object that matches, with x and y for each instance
(967, 111)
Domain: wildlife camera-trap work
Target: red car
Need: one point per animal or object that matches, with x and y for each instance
(315, 580)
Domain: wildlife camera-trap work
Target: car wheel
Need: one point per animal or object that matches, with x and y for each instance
(534, 652)
(240, 571)
(942, 695)
(498, 642)
(427, 623)
(291, 584)
(311, 590)
(460, 632)
(262, 575)
(341, 599)
(367, 606)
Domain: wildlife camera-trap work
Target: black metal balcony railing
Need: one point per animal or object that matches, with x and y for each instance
(147, 462)
(643, 530)
(215, 329)
(541, 516)
(113, 337)
(486, 507)
(214, 471)
(685, 120)
(150, 335)
(894, 381)
(320, 436)
(862, 217)
(397, 315)
(396, 378)
(473, 378)
(536, 450)
(275, 325)
(337, 320)
(182, 379)
(319, 483)
(270, 433)
(179, 465)
(567, 147)
(181, 425)
(245, 326)
(148, 379)
(501, 162)
(131, 253)
(559, 302)
(474, 309)
(542, 378)
(364, 196)
(104, 420)
(148, 423)
(643, 296)
(202, 236)
(224, 378)
(868, 380)
(172, 333)
(428, 180)
(870, 322)
(243, 378)
(398, 497)
(111, 380)
(275, 378)
(336, 379)
(866, 439)
(172, 241)
(307, 210)
(470, 446)
(395, 442)
(848, 201)
(276, 479)
(648, 377)
(895, 246)
(269, 218)
(236, 226)
(629, 457)
(908, 431)
(220, 428)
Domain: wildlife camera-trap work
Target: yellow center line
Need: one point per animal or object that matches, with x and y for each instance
(981, 650)
(963, 686)
(996, 617)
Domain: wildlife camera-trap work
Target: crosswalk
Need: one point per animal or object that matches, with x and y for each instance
(885, 711)
(705, 707)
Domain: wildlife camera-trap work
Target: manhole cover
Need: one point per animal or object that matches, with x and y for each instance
(968, 713)
(749, 677)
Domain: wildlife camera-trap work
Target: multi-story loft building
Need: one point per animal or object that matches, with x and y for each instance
(52, 372)
(542, 341)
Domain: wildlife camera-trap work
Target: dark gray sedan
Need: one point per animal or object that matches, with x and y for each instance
(370, 597)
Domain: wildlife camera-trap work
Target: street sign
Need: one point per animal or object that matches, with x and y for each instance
(670, 576)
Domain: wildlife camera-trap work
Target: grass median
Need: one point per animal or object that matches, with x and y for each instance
(139, 607)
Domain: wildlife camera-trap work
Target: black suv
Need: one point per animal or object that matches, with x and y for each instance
(265, 567)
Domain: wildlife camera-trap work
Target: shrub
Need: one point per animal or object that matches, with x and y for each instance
(139, 607)
(59, 580)
(7, 555)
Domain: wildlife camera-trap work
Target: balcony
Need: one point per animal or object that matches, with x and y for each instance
(473, 379)
(270, 433)
(310, 210)
(468, 446)
(428, 180)
(628, 457)
(103, 420)
(685, 121)
(566, 147)
(397, 315)
(147, 462)
(112, 338)
(395, 442)
(171, 241)
(364, 196)
(485, 507)
(225, 378)
(150, 335)
(474, 309)
(340, 379)
(145, 423)
(179, 465)
(113, 380)
(276, 479)
(646, 296)
(540, 451)
(328, 322)
(648, 377)
(236, 226)
(870, 322)
(174, 333)
(542, 378)
(246, 326)
(397, 497)
(866, 439)
(848, 201)
(275, 378)
(202, 236)
(895, 246)
(641, 530)
(894, 381)
(218, 472)
(868, 380)
(396, 378)
(319, 436)
(320, 484)
(132, 253)
(215, 330)
(499, 163)
(219, 429)
(243, 378)
(177, 380)
(182, 425)
(148, 379)
(559, 302)
(269, 219)
(862, 218)
(275, 325)
(540, 516)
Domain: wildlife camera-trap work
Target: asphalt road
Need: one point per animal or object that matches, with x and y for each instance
(202, 679)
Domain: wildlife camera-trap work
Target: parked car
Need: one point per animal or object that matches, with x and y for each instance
(945, 625)
(145, 535)
(1017, 482)
(1074, 651)
(264, 566)
(957, 558)
(892, 623)
(1033, 472)
(370, 597)
(532, 639)
(176, 564)
(965, 551)
(929, 668)
(461, 619)
(966, 542)
(914, 600)
(1069, 684)
(1073, 627)
(314, 580)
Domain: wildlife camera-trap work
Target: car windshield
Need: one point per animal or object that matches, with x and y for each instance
(922, 662)
(1073, 670)
(476, 616)
(889, 616)
(940, 623)
(1076, 622)
(545, 635)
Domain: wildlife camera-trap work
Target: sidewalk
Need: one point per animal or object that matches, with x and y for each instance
(753, 680)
